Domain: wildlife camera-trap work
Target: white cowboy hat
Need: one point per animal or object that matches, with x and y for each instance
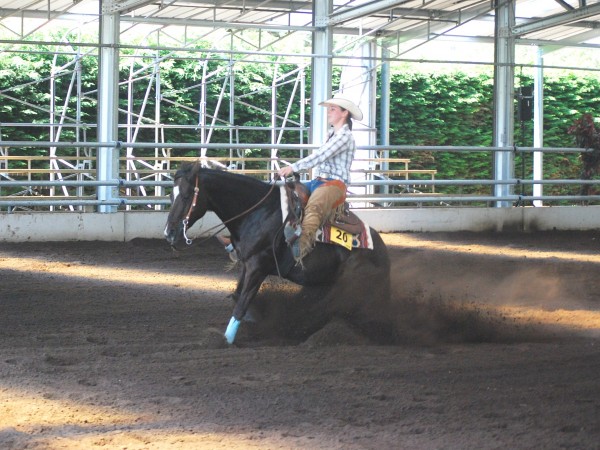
(354, 110)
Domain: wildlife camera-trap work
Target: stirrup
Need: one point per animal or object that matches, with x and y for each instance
(295, 248)
(291, 233)
(229, 248)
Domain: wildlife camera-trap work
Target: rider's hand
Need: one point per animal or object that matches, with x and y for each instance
(285, 172)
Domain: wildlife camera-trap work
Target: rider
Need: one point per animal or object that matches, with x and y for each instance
(333, 158)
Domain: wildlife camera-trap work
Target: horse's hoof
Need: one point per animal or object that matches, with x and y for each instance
(231, 330)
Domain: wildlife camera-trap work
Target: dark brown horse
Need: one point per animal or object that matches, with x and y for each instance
(356, 281)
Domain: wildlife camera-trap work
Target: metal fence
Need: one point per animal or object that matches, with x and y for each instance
(30, 179)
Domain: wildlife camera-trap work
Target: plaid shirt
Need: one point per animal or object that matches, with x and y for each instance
(334, 157)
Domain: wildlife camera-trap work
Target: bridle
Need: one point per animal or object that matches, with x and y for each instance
(186, 220)
(222, 225)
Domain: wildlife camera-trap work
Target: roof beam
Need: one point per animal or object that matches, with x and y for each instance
(460, 17)
(120, 6)
(35, 14)
(556, 20)
(124, 6)
(364, 10)
(214, 24)
(293, 5)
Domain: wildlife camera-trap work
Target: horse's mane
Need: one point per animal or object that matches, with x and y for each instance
(250, 183)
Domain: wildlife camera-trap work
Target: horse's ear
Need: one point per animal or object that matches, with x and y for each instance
(195, 167)
(183, 170)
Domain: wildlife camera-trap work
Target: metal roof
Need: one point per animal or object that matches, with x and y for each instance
(542, 22)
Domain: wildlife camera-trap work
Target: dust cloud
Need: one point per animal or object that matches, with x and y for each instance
(447, 297)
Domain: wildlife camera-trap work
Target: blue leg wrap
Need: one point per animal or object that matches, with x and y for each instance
(231, 330)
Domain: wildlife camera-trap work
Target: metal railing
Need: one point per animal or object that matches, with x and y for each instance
(69, 182)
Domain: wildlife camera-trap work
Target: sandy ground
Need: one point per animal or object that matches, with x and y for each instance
(119, 346)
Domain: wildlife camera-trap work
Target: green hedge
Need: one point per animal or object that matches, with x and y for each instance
(457, 109)
(426, 109)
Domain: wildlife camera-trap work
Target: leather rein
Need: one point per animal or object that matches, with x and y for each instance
(222, 225)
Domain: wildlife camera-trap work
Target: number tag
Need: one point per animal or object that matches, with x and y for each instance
(341, 237)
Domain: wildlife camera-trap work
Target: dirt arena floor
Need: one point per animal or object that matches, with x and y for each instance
(119, 346)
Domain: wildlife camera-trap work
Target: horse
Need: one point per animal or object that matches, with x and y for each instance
(356, 282)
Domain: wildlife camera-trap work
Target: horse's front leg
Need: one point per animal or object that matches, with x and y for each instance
(240, 284)
(246, 291)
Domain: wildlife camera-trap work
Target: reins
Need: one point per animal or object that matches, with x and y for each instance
(222, 225)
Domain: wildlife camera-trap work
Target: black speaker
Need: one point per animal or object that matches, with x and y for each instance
(525, 98)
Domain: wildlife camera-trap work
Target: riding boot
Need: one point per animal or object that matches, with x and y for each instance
(321, 205)
(310, 224)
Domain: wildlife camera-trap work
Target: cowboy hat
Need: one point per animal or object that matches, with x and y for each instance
(354, 110)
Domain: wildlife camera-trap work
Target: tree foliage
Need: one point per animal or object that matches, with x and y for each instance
(426, 109)
(587, 137)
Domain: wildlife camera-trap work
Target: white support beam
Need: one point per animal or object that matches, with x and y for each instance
(125, 6)
(108, 99)
(504, 74)
(122, 6)
(163, 21)
(321, 71)
(538, 126)
(460, 17)
(287, 5)
(557, 19)
(363, 10)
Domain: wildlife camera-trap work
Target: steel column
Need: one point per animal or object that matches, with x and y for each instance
(504, 73)
(108, 99)
(384, 108)
(321, 69)
(538, 125)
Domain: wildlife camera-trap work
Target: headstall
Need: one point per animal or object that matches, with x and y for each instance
(186, 221)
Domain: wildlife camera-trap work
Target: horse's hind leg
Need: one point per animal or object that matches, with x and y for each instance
(299, 316)
(361, 295)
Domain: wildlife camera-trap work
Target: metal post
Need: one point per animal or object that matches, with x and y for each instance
(504, 98)
(231, 73)
(80, 163)
(108, 97)
(302, 108)
(538, 126)
(358, 84)
(52, 131)
(321, 69)
(271, 163)
(202, 122)
(157, 123)
(130, 131)
(384, 108)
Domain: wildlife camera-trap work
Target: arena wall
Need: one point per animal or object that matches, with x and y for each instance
(124, 226)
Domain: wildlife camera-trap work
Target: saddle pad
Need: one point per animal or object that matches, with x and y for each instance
(361, 240)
